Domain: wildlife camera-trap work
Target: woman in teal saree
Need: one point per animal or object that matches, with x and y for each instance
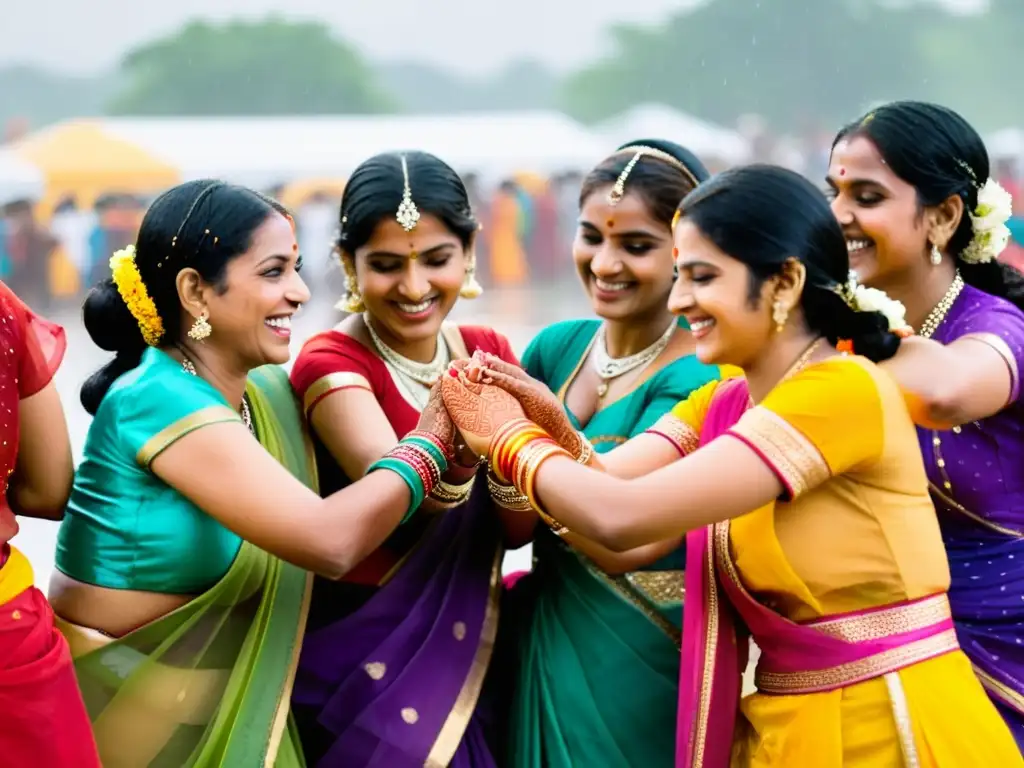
(598, 635)
(184, 559)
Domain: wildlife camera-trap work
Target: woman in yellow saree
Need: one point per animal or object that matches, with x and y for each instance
(803, 495)
(184, 559)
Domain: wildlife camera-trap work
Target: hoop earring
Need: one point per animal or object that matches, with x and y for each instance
(780, 314)
(201, 328)
(353, 301)
(471, 289)
(936, 256)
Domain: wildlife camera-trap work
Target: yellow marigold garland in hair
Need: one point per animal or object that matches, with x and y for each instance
(136, 298)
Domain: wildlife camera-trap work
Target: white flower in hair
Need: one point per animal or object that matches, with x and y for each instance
(988, 222)
(873, 300)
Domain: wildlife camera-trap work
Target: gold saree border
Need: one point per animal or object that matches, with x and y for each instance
(717, 533)
(284, 702)
(956, 506)
(842, 675)
(884, 622)
(450, 735)
(796, 459)
(683, 437)
(633, 594)
(1000, 690)
(162, 440)
(332, 382)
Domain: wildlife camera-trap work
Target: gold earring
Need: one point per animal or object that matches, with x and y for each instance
(780, 314)
(201, 328)
(353, 301)
(936, 256)
(471, 289)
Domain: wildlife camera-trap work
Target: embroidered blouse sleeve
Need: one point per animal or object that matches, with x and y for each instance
(681, 426)
(1001, 326)
(41, 344)
(823, 422)
(328, 363)
(163, 407)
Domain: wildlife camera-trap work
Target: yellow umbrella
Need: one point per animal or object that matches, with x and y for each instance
(298, 192)
(79, 158)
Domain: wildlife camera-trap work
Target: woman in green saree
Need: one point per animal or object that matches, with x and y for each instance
(599, 633)
(184, 559)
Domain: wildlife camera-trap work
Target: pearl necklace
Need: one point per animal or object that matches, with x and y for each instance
(938, 314)
(609, 368)
(422, 373)
(189, 367)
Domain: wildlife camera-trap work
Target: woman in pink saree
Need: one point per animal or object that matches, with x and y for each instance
(802, 492)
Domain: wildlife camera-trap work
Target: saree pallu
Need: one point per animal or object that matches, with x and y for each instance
(209, 683)
(878, 687)
(598, 666)
(42, 719)
(398, 682)
(987, 564)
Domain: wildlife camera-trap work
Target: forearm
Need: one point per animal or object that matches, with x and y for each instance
(615, 563)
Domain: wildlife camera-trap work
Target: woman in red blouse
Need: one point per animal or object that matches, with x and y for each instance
(44, 722)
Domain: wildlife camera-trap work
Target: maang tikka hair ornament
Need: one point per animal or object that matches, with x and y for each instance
(618, 190)
(407, 214)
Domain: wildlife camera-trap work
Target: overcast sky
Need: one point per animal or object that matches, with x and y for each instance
(465, 35)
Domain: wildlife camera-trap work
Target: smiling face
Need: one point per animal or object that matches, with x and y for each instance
(251, 312)
(713, 293)
(886, 234)
(623, 256)
(410, 280)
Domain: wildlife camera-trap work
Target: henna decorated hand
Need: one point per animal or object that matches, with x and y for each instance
(538, 402)
(476, 409)
(435, 418)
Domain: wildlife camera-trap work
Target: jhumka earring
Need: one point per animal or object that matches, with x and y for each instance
(353, 301)
(936, 256)
(780, 314)
(471, 288)
(201, 328)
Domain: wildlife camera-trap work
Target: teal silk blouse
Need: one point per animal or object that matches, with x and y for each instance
(124, 527)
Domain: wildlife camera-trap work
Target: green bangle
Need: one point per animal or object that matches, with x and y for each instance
(411, 478)
(429, 447)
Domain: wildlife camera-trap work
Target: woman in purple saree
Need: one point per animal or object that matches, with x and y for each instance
(396, 652)
(925, 223)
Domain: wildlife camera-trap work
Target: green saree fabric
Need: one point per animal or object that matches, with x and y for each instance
(209, 684)
(598, 656)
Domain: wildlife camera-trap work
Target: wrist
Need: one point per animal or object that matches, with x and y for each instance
(419, 459)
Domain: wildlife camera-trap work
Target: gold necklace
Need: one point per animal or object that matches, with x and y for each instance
(796, 367)
(938, 314)
(425, 374)
(189, 367)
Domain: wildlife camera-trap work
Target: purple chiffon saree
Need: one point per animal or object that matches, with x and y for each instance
(977, 479)
(397, 683)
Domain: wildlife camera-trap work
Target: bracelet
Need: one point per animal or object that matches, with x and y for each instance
(586, 450)
(453, 495)
(506, 444)
(507, 496)
(419, 461)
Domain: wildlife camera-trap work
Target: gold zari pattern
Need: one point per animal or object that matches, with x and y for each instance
(684, 437)
(885, 622)
(660, 587)
(795, 458)
(792, 683)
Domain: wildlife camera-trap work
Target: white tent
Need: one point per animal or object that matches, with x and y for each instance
(19, 180)
(709, 142)
(263, 152)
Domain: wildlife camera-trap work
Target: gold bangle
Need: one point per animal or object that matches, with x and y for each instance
(446, 493)
(507, 496)
(586, 450)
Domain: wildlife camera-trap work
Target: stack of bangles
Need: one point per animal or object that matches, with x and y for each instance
(517, 450)
(419, 459)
